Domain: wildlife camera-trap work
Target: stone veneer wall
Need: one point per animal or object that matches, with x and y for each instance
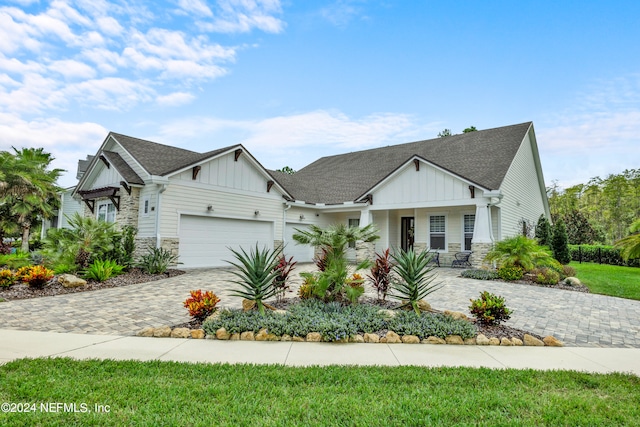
(142, 246)
(365, 250)
(480, 250)
(129, 207)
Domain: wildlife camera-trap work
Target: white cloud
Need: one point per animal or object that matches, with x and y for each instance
(196, 7)
(111, 93)
(241, 16)
(175, 99)
(67, 141)
(340, 12)
(72, 69)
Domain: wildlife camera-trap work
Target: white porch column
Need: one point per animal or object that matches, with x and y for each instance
(366, 217)
(482, 228)
(365, 250)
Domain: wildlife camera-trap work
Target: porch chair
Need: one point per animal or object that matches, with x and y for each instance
(462, 260)
(435, 258)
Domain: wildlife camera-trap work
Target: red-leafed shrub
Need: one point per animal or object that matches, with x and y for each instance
(35, 276)
(201, 305)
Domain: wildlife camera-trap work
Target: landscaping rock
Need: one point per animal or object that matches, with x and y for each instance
(392, 338)
(213, 315)
(470, 341)
(314, 337)
(248, 305)
(516, 341)
(532, 341)
(433, 340)
(372, 338)
(494, 341)
(162, 332)
(247, 336)
(197, 334)
(146, 332)
(572, 281)
(552, 341)
(341, 341)
(283, 312)
(272, 337)
(234, 337)
(285, 338)
(181, 333)
(424, 306)
(454, 339)
(262, 335)
(357, 338)
(506, 342)
(456, 315)
(410, 339)
(482, 339)
(297, 339)
(71, 281)
(222, 334)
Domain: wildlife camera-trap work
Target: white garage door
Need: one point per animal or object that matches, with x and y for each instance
(205, 242)
(300, 253)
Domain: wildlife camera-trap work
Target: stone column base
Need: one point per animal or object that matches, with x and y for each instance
(480, 250)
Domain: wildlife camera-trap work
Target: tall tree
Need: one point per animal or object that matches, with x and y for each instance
(560, 243)
(28, 187)
(469, 129)
(444, 132)
(543, 231)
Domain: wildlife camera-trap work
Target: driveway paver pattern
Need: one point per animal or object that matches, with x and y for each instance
(577, 319)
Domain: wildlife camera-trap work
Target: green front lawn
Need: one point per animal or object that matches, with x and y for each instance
(612, 280)
(169, 393)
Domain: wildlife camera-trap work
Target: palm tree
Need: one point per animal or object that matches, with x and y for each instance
(630, 245)
(28, 187)
(520, 251)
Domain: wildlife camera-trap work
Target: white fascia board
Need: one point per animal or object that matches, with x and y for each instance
(400, 169)
(91, 167)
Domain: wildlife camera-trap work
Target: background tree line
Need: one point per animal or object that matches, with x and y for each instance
(600, 211)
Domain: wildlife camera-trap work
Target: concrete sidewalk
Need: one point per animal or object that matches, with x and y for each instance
(21, 344)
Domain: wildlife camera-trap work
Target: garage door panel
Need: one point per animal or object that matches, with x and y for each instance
(300, 253)
(205, 242)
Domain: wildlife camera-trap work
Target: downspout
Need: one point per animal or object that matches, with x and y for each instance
(163, 187)
(489, 205)
(284, 224)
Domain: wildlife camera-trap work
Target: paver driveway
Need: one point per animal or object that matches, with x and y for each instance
(576, 318)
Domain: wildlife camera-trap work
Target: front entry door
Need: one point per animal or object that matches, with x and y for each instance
(407, 231)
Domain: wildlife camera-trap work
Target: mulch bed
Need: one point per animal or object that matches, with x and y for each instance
(134, 276)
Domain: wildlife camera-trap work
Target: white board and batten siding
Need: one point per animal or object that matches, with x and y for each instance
(521, 189)
(429, 185)
(106, 177)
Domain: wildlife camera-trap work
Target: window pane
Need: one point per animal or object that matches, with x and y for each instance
(467, 241)
(437, 241)
(102, 212)
(469, 221)
(353, 222)
(437, 224)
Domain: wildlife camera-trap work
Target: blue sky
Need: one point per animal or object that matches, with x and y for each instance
(297, 80)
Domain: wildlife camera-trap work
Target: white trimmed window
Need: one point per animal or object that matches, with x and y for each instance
(106, 212)
(437, 232)
(353, 222)
(146, 206)
(469, 222)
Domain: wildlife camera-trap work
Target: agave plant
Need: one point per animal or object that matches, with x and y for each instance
(416, 282)
(257, 272)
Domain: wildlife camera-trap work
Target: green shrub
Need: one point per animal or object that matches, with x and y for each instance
(415, 281)
(15, 261)
(335, 322)
(63, 268)
(543, 231)
(7, 278)
(490, 309)
(510, 273)
(124, 247)
(35, 276)
(560, 243)
(519, 251)
(567, 271)
(480, 274)
(157, 260)
(545, 276)
(101, 270)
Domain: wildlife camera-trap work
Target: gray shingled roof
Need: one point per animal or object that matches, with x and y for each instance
(123, 168)
(160, 159)
(482, 157)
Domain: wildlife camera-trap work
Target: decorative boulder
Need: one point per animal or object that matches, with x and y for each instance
(552, 341)
(388, 314)
(506, 342)
(372, 338)
(247, 336)
(248, 305)
(433, 340)
(181, 333)
(262, 335)
(424, 306)
(532, 341)
(454, 339)
(456, 315)
(297, 339)
(197, 334)
(162, 332)
(392, 338)
(146, 332)
(286, 338)
(494, 341)
(470, 341)
(357, 338)
(222, 334)
(410, 339)
(71, 281)
(516, 341)
(572, 281)
(482, 339)
(234, 337)
(314, 337)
